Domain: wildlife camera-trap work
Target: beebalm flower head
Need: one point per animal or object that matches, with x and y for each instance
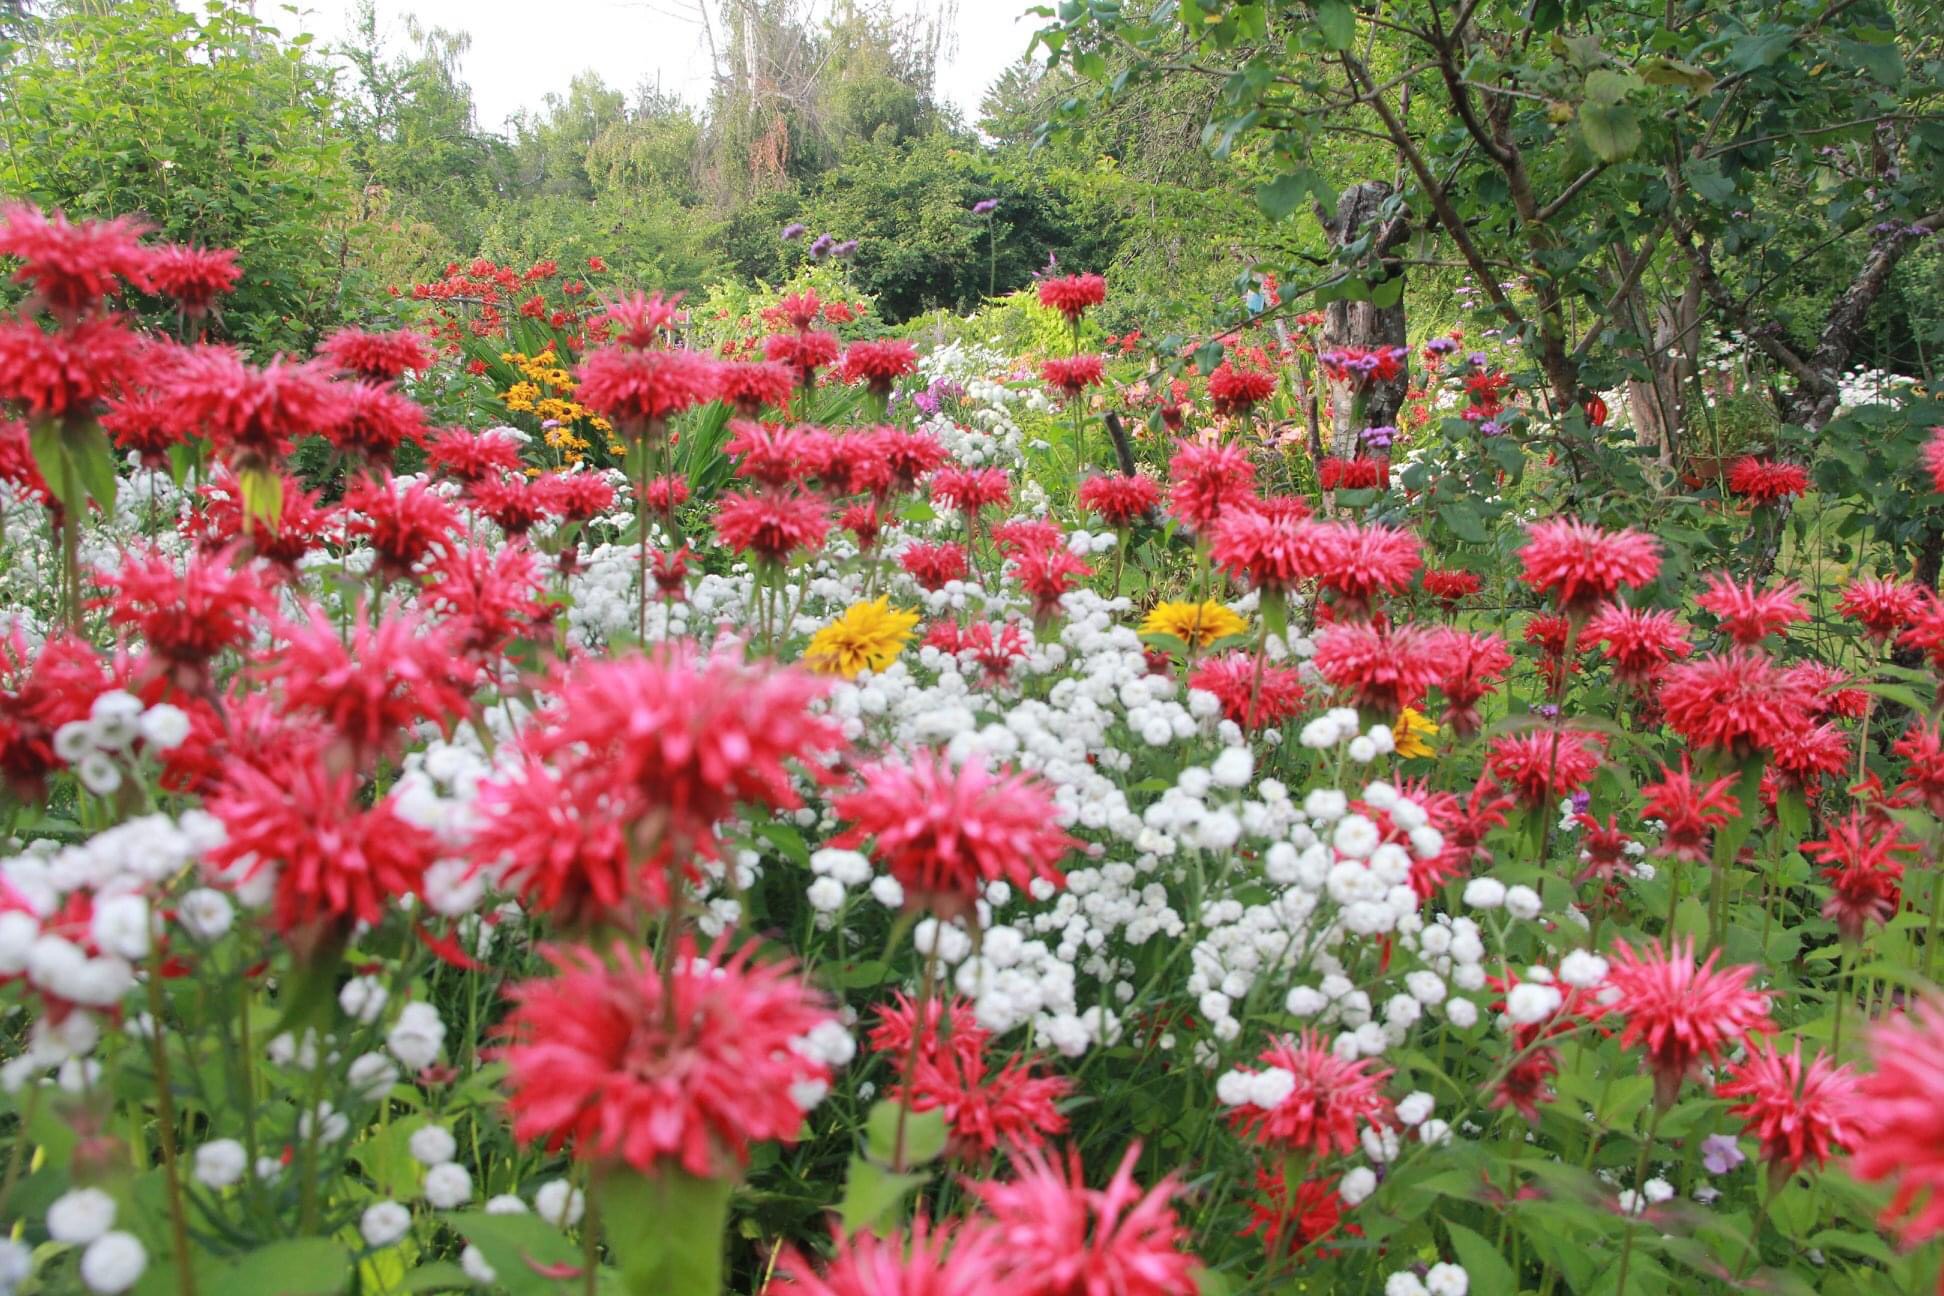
(685, 1069)
(868, 636)
(1325, 1099)
(1799, 1112)
(1679, 1011)
(1581, 565)
(945, 831)
(957, 1259)
(1900, 1120)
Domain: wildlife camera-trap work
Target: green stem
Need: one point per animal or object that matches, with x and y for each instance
(1640, 1196)
(165, 1118)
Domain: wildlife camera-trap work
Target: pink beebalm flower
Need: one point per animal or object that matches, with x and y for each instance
(389, 673)
(1119, 500)
(1545, 765)
(642, 388)
(1934, 458)
(1580, 565)
(1680, 1012)
(377, 357)
(1471, 665)
(1900, 1122)
(1882, 607)
(1691, 811)
(958, 1259)
(1798, 1112)
(946, 831)
(1738, 702)
(1329, 1097)
(1208, 483)
(971, 489)
(685, 1069)
(1748, 614)
(1252, 701)
(1384, 668)
(1638, 641)
(1054, 1236)
(772, 525)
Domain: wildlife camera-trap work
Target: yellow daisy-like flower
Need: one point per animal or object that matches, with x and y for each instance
(1410, 732)
(867, 635)
(1196, 624)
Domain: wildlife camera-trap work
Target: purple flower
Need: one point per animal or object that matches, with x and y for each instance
(1477, 360)
(548, 425)
(1720, 1153)
(985, 206)
(1582, 798)
(846, 250)
(794, 230)
(821, 248)
(1381, 436)
(1547, 710)
(1490, 428)
(1441, 346)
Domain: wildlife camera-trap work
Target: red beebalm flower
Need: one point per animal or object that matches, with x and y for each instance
(1925, 632)
(1799, 1113)
(1209, 482)
(301, 526)
(932, 565)
(188, 613)
(1470, 666)
(684, 1069)
(1922, 746)
(958, 1259)
(1352, 474)
(751, 384)
(552, 838)
(577, 496)
(336, 862)
(1900, 1123)
(946, 831)
(1859, 859)
(69, 371)
(145, 424)
(1545, 765)
(252, 414)
(971, 489)
(395, 672)
(768, 453)
(1020, 535)
(948, 1029)
(1281, 508)
(910, 454)
(1450, 585)
(666, 494)
(465, 457)
(640, 390)
(377, 357)
(1750, 615)
(515, 503)
(863, 522)
(1737, 702)
(1366, 561)
(1579, 564)
(1934, 458)
(487, 595)
(1013, 1107)
(1299, 1223)
(401, 524)
(1250, 702)
(1073, 376)
(994, 650)
(1329, 1096)
(804, 353)
(1234, 389)
(638, 320)
(1765, 481)
(1118, 499)
(1054, 1236)
(1073, 295)
(1805, 755)
(372, 421)
(71, 266)
(40, 692)
(17, 466)
(1640, 642)
(1384, 668)
(1882, 607)
(878, 365)
(1273, 553)
(1681, 1012)
(194, 276)
(1690, 810)
(772, 525)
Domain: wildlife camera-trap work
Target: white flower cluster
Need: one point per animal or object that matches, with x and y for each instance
(101, 747)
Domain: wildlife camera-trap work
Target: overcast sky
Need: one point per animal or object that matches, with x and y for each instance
(521, 51)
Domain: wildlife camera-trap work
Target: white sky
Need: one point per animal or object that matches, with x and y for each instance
(522, 51)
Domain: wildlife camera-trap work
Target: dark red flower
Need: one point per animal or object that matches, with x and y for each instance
(187, 613)
(377, 357)
(1765, 481)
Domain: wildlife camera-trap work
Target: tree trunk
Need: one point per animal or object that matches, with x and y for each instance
(1364, 323)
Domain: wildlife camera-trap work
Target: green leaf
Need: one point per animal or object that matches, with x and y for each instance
(1487, 1268)
(438, 1276)
(50, 456)
(514, 1244)
(93, 458)
(296, 1267)
(665, 1229)
(1610, 130)
(262, 496)
(1660, 71)
(924, 1134)
(1759, 49)
(1461, 515)
(1608, 87)
(874, 1196)
(1210, 1283)
(1336, 22)
(1285, 193)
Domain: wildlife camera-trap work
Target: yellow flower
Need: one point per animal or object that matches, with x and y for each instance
(867, 635)
(1410, 731)
(1198, 625)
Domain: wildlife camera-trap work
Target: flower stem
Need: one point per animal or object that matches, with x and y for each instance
(165, 1118)
(1640, 1196)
